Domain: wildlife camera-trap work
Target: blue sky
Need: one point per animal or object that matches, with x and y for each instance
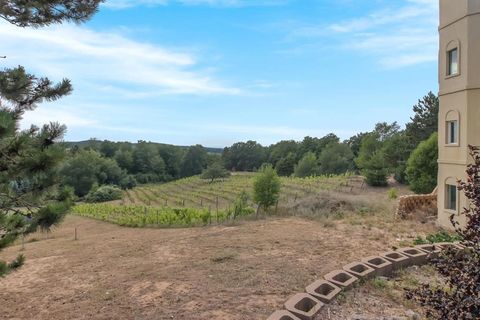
(219, 71)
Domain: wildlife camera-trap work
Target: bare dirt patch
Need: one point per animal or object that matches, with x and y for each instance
(243, 271)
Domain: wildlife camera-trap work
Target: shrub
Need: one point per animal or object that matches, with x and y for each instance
(307, 166)
(104, 194)
(266, 187)
(128, 182)
(375, 170)
(441, 236)
(459, 298)
(393, 193)
(241, 208)
(422, 166)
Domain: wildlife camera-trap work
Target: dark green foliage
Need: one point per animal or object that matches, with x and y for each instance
(286, 165)
(194, 161)
(371, 161)
(87, 168)
(30, 159)
(422, 166)
(441, 236)
(459, 298)
(127, 182)
(38, 13)
(336, 158)
(375, 170)
(104, 194)
(148, 165)
(266, 187)
(307, 166)
(355, 143)
(215, 171)
(425, 121)
(316, 145)
(281, 150)
(244, 156)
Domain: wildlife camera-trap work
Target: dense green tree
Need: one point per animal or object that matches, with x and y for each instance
(316, 145)
(39, 13)
(422, 166)
(307, 166)
(266, 187)
(148, 166)
(80, 171)
(194, 161)
(375, 170)
(124, 159)
(355, 143)
(425, 121)
(108, 148)
(88, 168)
(29, 159)
(244, 156)
(371, 160)
(286, 165)
(172, 156)
(396, 151)
(215, 171)
(281, 150)
(336, 158)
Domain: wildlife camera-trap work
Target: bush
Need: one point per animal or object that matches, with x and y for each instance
(375, 170)
(241, 207)
(422, 166)
(266, 187)
(393, 193)
(441, 236)
(104, 194)
(307, 166)
(459, 297)
(128, 182)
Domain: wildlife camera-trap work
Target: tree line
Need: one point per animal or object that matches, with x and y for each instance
(408, 154)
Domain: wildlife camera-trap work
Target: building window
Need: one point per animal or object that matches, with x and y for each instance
(452, 132)
(452, 56)
(451, 197)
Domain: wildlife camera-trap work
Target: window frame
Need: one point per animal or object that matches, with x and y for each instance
(448, 200)
(450, 65)
(455, 131)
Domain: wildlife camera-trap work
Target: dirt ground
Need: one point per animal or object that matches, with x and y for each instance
(243, 271)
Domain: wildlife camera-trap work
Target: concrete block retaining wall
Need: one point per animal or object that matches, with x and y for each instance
(306, 306)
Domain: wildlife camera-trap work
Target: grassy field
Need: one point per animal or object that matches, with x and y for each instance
(193, 201)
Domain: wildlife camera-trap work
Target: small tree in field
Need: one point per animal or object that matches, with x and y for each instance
(266, 188)
(459, 299)
(215, 171)
(422, 166)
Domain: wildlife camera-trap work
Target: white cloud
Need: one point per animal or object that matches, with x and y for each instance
(98, 58)
(398, 36)
(122, 4)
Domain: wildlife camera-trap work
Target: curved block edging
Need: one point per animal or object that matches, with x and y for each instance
(305, 306)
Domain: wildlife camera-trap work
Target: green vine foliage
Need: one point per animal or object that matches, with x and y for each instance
(459, 299)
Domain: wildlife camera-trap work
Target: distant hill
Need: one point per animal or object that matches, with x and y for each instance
(94, 143)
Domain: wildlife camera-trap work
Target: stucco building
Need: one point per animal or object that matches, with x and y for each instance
(459, 117)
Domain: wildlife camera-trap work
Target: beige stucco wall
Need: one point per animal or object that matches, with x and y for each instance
(459, 27)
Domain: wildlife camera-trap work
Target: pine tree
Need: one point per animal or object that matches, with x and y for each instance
(29, 159)
(39, 13)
